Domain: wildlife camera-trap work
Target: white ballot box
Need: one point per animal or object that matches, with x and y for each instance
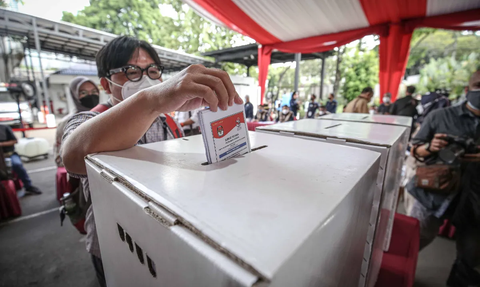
(292, 213)
(390, 141)
(373, 119)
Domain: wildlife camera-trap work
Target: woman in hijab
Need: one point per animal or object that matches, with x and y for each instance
(85, 96)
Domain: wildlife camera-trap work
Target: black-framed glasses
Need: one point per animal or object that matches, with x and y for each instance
(135, 73)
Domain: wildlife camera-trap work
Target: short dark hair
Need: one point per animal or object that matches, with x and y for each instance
(411, 89)
(367, 90)
(331, 94)
(285, 106)
(119, 51)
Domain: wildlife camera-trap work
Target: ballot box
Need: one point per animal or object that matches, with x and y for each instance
(373, 119)
(389, 140)
(290, 213)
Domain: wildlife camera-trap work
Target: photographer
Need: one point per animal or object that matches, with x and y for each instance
(458, 202)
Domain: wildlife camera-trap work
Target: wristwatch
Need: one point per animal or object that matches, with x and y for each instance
(427, 147)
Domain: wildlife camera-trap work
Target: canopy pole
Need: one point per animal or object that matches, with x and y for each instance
(39, 51)
(298, 57)
(248, 71)
(322, 76)
(26, 62)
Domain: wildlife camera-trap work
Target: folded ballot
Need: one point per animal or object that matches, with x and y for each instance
(225, 133)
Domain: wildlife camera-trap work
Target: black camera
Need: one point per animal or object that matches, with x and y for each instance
(456, 148)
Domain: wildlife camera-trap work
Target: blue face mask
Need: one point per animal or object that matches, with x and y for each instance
(473, 98)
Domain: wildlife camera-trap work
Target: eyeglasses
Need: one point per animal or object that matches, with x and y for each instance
(85, 93)
(135, 73)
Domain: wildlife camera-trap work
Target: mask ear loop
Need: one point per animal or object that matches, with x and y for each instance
(113, 83)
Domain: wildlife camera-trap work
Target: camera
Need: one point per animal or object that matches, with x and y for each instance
(456, 148)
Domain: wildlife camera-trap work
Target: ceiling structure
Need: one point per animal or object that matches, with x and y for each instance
(78, 41)
(248, 55)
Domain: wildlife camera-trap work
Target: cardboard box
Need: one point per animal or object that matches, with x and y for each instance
(389, 140)
(293, 213)
(373, 119)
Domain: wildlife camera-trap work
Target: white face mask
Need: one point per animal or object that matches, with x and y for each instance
(284, 112)
(419, 109)
(130, 88)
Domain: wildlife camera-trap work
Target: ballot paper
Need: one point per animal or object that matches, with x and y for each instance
(224, 133)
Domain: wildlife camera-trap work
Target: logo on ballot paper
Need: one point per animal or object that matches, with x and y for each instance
(224, 126)
(220, 131)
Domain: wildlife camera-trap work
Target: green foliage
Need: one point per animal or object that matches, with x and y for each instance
(5, 4)
(448, 73)
(167, 23)
(430, 44)
(360, 71)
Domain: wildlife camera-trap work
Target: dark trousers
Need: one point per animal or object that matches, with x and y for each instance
(18, 168)
(98, 265)
(467, 242)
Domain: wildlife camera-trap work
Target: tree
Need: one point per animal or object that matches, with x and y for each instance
(338, 69)
(430, 44)
(361, 70)
(448, 73)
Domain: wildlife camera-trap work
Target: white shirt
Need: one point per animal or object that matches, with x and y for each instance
(183, 116)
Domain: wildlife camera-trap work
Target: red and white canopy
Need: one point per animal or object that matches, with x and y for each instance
(306, 26)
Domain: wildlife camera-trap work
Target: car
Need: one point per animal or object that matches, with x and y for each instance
(9, 110)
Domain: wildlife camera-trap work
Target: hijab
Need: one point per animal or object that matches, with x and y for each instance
(74, 93)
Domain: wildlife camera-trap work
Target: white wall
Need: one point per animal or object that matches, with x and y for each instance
(247, 86)
(59, 91)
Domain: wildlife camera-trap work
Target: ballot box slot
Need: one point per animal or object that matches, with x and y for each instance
(253, 149)
(168, 218)
(333, 126)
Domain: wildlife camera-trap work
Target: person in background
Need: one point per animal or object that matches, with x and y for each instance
(312, 107)
(85, 96)
(462, 204)
(7, 142)
(248, 109)
(286, 115)
(406, 106)
(189, 122)
(384, 108)
(294, 104)
(130, 71)
(331, 105)
(430, 102)
(262, 114)
(322, 111)
(360, 104)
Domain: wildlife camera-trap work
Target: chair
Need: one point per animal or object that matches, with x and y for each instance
(62, 184)
(9, 204)
(399, 263)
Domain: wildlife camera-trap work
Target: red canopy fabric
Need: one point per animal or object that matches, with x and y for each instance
(306, 26)
(394, 49)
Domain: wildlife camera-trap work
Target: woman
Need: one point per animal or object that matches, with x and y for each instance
(85, 96)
